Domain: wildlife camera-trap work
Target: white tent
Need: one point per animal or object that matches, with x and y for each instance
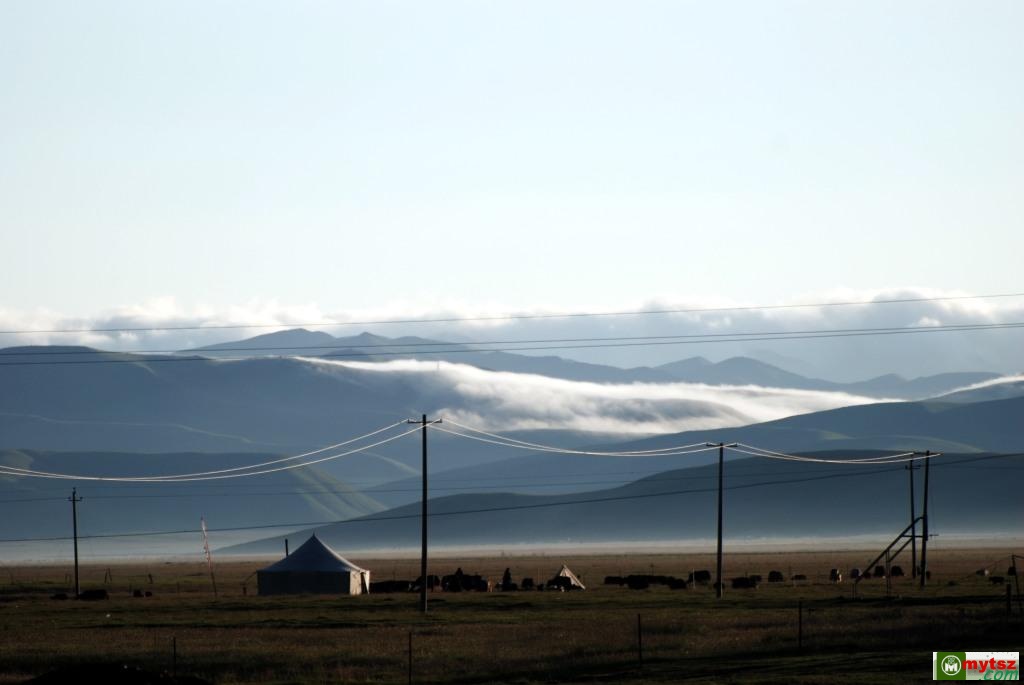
(314, 568)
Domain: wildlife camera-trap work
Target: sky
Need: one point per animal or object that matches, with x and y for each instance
(215, 159)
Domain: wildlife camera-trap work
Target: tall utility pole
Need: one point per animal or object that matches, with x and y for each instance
(924, 521)
(74, 499)
(911, 467)
(423, 515)
(721, 467)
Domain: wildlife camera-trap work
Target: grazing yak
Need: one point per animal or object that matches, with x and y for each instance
(702, 577)
(744, 583)
(834, 576)
(776, 577)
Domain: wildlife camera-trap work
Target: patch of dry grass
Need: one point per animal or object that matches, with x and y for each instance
(749, 636)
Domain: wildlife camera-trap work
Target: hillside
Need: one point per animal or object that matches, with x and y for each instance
(763, 499)
(732, 371)
(39, 507)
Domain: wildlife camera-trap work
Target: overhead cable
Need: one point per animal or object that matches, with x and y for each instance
(512, 317)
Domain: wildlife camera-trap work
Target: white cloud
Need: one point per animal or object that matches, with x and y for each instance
(514, 401)
(832, 358)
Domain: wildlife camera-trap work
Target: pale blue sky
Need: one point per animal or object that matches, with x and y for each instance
(525, 154)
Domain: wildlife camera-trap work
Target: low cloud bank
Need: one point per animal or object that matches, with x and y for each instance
(513, 401)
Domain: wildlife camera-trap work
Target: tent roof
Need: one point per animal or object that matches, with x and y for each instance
(313, 556)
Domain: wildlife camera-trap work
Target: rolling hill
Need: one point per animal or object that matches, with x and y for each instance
(733, 371)
(763, 499)
(39, 508)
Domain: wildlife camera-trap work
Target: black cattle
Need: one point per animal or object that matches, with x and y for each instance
(561, 583)
(1011, 571)
(386, 586)
(93, 595)
(702, 577)
(637, 582)
(744, 583)
(981, 572)
(433, 583)
(677, 583)
(896, 571)
(879, 572)
(614, 580)
(755, 577)
(775, 577)
(799, 576)
(528, 584)
(462, 582)
(996, 580)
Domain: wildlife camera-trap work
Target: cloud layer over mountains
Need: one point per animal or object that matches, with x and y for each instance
(833, 358)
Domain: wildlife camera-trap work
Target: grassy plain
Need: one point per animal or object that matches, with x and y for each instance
(750, 636)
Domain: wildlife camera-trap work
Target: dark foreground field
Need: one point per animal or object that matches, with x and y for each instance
(751, 636)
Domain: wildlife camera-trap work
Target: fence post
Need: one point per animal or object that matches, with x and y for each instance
(800, 625)
(640, 642)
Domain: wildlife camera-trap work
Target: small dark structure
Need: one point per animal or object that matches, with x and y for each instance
(566, 580)
(314, 568)
(383, 586)
(463, 582)
(702, 577)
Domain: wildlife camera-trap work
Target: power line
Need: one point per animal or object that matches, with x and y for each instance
(15, 471)
(346, 347)
(513, 317)
(724, 338)
(402, 517)
(960, 463)
(538, 505)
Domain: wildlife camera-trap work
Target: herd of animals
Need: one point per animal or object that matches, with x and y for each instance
(462, 582)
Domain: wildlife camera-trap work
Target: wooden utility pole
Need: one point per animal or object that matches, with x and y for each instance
(423, 515)
(74, 499)
(924, 521)
(911, 467)
(721, 468)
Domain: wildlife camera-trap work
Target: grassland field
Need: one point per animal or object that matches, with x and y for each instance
(749, 636)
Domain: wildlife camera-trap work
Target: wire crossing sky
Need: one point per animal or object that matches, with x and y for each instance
(468, 432)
